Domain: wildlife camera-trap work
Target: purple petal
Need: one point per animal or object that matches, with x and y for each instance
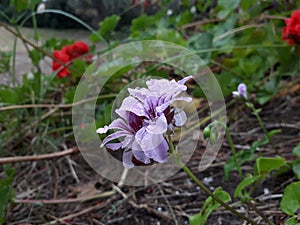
(161, 152)
(159, 126)
(180, 118)
(131, 104)
(120, 125)
(140, 155)
(127, 159)
(139, 93)
(182, 81)
(114, 146)
(151, 141)
(242, 90)
(116, 135)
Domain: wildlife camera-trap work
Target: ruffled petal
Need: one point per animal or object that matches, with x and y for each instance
(160, 126)
(160, 154)
(180, 118)
(140, 155)
(131, 104)
(151, 141)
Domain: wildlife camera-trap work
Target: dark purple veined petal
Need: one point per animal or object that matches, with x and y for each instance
(120, 125)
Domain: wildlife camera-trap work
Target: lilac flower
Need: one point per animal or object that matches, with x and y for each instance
(145, 117)
(241, 92)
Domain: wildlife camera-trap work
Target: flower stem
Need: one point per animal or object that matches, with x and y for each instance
(262, 125)
(216, 198)
(203, 187)
(231, 145)
(250, 204)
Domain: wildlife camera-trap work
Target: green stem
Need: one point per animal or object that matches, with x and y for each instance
(203, 187)
(231, 145)
(251, 205)
(262, 125)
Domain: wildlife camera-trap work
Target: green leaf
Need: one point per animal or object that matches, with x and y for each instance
(242, 157)
(9, 96)
(226, 7)
(107, 27)
(36, 56)
(263, 166)
(247, 4)
(24, 4)
(292, 221)
(4, 61)
(290, 201)
(184, 18)
(296, 168)
(296, 150)
(209, 206)
(5, 191)
(201, 41)
(248, 180)
(170, 36)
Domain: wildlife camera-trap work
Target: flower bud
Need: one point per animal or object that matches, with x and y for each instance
(206, 132)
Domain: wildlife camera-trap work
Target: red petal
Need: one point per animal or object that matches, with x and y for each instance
(80, 48)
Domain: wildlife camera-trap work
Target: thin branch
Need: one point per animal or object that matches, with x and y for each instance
(67, 200)
(71, 216)
(198, 23)
(26, 158)
(70, 105)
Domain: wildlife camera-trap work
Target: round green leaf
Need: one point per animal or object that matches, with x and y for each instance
(290, 201)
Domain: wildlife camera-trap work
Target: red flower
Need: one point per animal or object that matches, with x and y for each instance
(67, 54)
(291, 32)
(56, 66)
(80, 48)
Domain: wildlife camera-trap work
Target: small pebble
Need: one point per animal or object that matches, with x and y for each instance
(207, 180)
(266, 191)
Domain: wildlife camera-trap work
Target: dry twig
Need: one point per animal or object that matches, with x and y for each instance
(26, 158)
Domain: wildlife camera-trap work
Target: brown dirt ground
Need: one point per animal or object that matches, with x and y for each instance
(169, 202)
